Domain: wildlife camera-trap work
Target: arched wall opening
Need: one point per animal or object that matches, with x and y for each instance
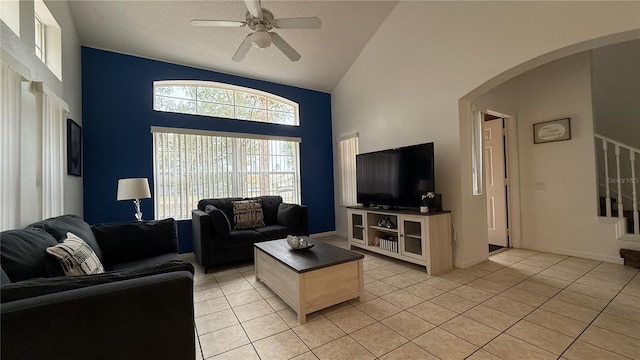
(593, 238)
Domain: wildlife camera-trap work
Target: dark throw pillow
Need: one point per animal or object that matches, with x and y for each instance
(270, 205)
(59, 226)
(248, 214)
(23, 253)
(289, 215)
(219, 220)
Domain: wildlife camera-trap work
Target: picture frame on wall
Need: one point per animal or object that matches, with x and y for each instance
(74, 148)
(550, 131)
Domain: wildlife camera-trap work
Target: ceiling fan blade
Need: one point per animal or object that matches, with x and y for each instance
(298, 23)
(254, 7)
(243, 49)
(286, 49)
(218, 23)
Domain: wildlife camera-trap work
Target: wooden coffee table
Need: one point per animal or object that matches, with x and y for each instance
(309, 280)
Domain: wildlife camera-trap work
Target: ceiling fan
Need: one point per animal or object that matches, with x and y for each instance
(261, 21)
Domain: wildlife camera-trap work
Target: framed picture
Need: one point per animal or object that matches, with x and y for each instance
(550, 131)
(74, 148)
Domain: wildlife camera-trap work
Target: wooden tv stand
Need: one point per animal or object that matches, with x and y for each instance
(422, 238)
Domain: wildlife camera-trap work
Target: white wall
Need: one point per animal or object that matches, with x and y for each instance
(405, 86)
(557, 180)
(69, 89)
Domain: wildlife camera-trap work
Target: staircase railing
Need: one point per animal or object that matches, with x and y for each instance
(619, 149)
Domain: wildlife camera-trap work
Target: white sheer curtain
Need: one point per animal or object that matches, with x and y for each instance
(190, 165)
(10, 157)
(51, 110)
(348, 149)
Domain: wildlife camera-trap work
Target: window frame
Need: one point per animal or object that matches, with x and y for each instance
(40, 34)
(224, 86)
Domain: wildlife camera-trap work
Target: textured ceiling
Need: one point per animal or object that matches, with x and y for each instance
(161, 30)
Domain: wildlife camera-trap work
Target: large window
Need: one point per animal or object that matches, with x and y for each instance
(223, 100)
(190, 165)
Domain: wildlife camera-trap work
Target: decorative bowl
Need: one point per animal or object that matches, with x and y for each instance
(298, 242)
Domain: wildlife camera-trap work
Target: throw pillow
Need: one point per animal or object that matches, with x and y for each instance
(59, 226)
(219, 221)
(76, 257)
(270, 205)
(23, 253)
(247, 214)
(289, 215)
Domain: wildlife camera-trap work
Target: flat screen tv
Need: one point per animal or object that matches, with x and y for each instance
(395, 177)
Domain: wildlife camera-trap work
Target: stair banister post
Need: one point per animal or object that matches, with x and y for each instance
(634, 193)
(606, 177)
(619, 182)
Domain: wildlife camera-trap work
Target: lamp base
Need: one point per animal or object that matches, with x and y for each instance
(138, 213)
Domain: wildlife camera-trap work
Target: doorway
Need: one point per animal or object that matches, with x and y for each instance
(495, 170)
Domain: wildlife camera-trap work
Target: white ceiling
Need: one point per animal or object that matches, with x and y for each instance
(161, 30)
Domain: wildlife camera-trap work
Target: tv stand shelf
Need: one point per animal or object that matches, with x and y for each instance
(404, 234)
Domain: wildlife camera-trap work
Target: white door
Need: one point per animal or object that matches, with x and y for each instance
(494, 162)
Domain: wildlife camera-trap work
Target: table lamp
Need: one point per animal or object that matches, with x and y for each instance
(134, 189)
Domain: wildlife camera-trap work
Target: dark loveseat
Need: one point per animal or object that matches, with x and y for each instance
(141, 307)
(216, 241)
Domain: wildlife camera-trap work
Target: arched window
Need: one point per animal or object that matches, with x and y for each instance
(223, 100)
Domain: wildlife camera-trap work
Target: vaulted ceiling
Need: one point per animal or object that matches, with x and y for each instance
(161, 30)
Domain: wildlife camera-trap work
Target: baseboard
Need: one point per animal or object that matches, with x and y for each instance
(324, 234)
(470, 263)
(610, 259)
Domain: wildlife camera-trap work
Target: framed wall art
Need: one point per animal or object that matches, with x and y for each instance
(550, 131)
(74, 148)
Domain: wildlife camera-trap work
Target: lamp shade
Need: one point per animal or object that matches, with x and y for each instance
(133, 188)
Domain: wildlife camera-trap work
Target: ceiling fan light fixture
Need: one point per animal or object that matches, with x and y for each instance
(261, 39)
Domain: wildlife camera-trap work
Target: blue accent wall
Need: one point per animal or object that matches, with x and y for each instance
(117, 115)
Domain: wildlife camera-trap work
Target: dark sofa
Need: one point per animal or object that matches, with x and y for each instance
(216, 242)
(141, 307)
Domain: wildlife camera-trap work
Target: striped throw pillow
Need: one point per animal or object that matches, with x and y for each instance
(76, 257)
(247, 214)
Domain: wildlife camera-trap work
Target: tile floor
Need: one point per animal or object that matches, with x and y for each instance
(520, 304)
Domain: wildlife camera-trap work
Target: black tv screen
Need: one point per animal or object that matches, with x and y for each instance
(395, 177)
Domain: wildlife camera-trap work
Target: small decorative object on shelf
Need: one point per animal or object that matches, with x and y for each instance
(376, 241)
(385, 222)
(432, 201)
(424, 204)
